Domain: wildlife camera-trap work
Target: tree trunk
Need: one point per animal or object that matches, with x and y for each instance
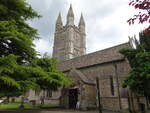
(7, 100)
(22, 102)
(147, 101)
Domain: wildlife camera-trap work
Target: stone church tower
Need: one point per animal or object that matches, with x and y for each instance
(69, 40)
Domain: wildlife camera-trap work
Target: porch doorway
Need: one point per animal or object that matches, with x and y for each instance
(73, 98)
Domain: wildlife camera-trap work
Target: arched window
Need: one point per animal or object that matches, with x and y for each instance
(49, 93)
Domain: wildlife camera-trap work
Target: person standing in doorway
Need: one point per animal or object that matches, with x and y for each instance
(78, 104)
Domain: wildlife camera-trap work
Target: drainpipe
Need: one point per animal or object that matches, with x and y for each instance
(98, 94)
(117, 79)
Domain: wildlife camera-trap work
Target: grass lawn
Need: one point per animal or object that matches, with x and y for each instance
(14, 105)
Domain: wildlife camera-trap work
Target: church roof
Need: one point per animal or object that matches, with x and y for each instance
(74, 73)
(99, 57)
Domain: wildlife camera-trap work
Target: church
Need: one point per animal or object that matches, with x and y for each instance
(108, 65)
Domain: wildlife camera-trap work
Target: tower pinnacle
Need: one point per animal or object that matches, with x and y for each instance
(82, 24)
(70, 16)
(59, 20)
(70, 12)
(81, 21)
(59, 23)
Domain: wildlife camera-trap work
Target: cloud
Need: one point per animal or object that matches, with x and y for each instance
(105, 21)
(49, 10)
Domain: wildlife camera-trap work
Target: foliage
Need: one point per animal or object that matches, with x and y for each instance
(143, 6)
(20, 69)
(16, 36)
(16, 46)
(139, 59)
(42, 74)
(53, 78)
(12, 41)
(14, 78)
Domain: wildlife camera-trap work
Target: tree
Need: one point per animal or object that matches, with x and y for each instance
(16, 36)
(54, 77)
(139, 59)
(16, 79)
(16, 43)
(144, 12)
(20, 69)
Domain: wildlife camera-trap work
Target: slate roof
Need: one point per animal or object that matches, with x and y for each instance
(74, 73)
(99, 57)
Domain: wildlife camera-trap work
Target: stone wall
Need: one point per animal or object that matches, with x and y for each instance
(104, 72)
(88, 97)
(111, 103)
(53, 100)
(111, 69)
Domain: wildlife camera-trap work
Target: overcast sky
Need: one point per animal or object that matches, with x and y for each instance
(106, 22)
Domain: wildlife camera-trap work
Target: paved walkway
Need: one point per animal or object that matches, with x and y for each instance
(50, 111)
